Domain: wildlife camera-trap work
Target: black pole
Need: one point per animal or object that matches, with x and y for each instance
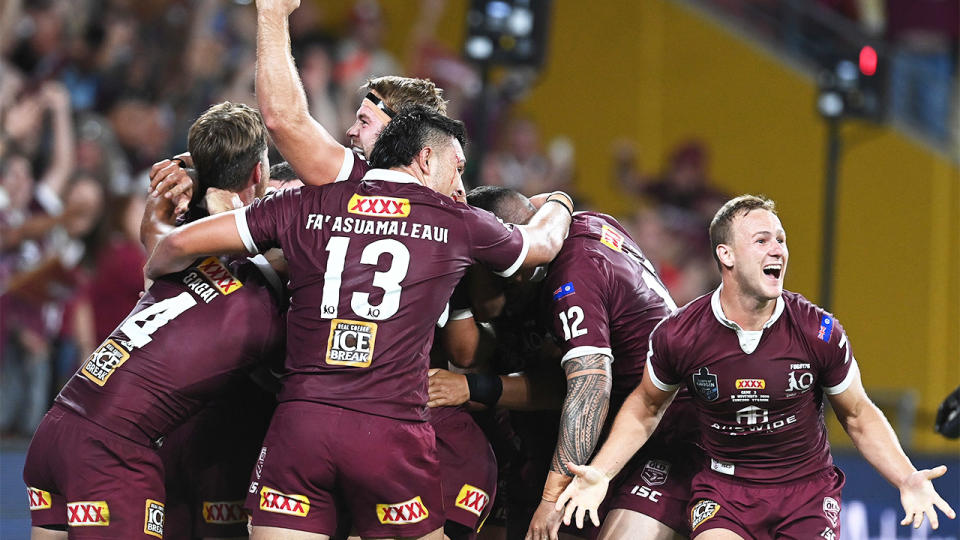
(478, 142)
(829, 212)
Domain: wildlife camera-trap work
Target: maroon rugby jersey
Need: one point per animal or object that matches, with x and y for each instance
(189, 336)
(354, 166)
(372, 265)
(604, 297)
(759, 395)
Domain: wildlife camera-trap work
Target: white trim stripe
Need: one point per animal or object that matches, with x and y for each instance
(577, 352)
(444, 317)
(348, 157)
(523, 255)
(390, 175)
(240, 216)
(656, 380)
(846, 382)
(461, 314)
(268, 272)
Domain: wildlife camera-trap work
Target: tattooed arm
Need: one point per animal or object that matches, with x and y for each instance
(584, 410)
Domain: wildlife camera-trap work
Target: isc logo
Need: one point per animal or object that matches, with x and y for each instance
(39, 499)
(88, 514)
(224, 512)
(379, 206)
(472, 499)
(351, 343)
(646, 493)
(751, 384)
(219, 276)
(272, 500)
(411, 511)
(153, 518)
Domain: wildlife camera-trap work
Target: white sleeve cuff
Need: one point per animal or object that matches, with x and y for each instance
(577, 352)
(240, 215)
(460, 314)
(846, 382)
(348, 157)
(523, 255)
(657, 382)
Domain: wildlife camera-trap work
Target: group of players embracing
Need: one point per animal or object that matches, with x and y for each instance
(286, 371)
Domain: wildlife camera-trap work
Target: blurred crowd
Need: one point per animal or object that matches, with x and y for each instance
(92, 92)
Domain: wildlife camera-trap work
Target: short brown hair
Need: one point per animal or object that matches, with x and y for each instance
(226, 142)
(400, 92)
(744, 204)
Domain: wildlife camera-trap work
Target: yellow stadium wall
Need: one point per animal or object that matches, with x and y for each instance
(658, 73)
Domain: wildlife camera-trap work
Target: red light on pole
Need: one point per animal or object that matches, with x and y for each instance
(868, 60)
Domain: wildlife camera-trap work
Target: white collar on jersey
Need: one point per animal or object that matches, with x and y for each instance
(390, 175)
(749, 339)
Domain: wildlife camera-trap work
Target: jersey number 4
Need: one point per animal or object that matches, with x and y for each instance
(389, 281)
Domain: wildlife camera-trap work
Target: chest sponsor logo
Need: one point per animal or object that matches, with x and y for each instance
(751, 384)
(224, 512)
(826, 328)
(706, 384)
(219, 276)
(799, 381)
(472, 499)
(104, 361)
(564, 290)
(153, 519)
(831, 510)
(704, 510)
(655, 472)
(39, 499)
(272, 500)
(752, 416)
(611, 238)
(411, 511)
(391, 207)
(88, 514)
(351, 343)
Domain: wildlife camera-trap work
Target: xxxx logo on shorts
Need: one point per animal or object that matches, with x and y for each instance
(153, 518)
(39, 499)
(224, 512)
(219, 276)
(88, 513)
(611, 238)
(704, 510)
(411, 511)
(751, 384)
(272, 500)
(391, 207)
(104, 361)
(472, 499)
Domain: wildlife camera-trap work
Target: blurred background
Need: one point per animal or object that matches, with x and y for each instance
(845, 112)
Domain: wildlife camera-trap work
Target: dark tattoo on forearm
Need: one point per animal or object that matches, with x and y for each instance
(584, 410)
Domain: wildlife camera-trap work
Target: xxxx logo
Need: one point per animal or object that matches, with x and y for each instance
(611, 238)
(224, 513)
(472, 499)
(88, 513)
(219, 276)
(411, 511)
(379, 206)
(39, 499)
(272, 500)
(751, 384)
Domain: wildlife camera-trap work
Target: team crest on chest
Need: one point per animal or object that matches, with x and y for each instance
(706, 384)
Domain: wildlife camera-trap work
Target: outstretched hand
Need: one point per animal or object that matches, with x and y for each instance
(583, 495)
(918, 497)
(447, 389)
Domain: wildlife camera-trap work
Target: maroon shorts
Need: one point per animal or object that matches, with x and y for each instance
(97, 483)
(468, 468)
(801, 510)
(657, 483)
(318, 461)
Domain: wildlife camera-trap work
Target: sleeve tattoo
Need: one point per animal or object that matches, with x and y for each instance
(584, 410)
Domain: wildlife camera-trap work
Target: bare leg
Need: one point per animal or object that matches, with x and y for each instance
(432, 535)
(718, 534)
(276, 533)
(621, 523)
(39, 533)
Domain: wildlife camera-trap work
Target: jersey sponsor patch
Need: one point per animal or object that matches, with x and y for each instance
(611, 238)
(88, 514)
(351, 343)
(391, 207)
(153, 518)
(826, 328)
(272, 500)
(655, 472)
(412, 511)
(472, 499)
(706, 384)
(704, 510)
(104, 361)
(219, 276)
(223, 512)
(564, 290)
(751, 384)
(39, 499)
(831, 510)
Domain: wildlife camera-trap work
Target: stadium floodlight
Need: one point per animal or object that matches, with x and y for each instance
(507, 32)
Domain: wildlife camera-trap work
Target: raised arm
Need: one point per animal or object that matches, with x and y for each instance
(548, 228)
(310, 149)
(876, 440)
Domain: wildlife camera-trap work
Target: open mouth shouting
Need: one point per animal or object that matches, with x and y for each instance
(773, 270)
